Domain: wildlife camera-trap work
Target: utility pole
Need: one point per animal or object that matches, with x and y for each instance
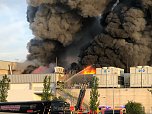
(55, 81)
(113, 91)
(141, 77)
(106, 87)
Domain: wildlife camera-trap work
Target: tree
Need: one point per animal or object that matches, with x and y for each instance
(4, 87)
(94, 103)
(134, 108)
(46, 95)
(59, 98)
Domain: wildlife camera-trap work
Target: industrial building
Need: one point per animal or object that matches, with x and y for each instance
(28, 87)
(140, 76)
(7, 67)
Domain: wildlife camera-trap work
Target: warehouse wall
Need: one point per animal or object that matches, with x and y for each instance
(122, 96)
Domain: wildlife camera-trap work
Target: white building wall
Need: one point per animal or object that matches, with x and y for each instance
(108, 76)
(20, 92)
(20, 95)
(26, 91)
(141, 76)
(25, 86)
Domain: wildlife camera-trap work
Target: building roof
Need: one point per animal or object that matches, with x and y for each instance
(29, 78)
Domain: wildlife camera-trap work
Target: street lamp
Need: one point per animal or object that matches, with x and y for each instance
(113, 91)
(106, 84)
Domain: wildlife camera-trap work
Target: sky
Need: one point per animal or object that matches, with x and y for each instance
(14, 32)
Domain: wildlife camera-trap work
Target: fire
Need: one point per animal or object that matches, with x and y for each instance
(89, 70)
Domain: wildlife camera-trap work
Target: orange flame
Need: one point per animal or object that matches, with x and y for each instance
(88, 70)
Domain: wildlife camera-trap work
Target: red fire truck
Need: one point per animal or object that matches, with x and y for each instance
(109, 110)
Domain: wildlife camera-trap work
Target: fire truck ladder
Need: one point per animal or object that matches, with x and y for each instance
(76, 100)
(80, 98)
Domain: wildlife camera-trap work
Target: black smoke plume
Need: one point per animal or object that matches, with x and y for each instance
(62, 28)
(126, 39)
(100, 32)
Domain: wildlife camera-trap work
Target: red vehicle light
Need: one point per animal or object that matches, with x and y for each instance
(29, 111)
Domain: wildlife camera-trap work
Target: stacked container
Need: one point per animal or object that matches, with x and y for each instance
(108, 76)
(141, 76)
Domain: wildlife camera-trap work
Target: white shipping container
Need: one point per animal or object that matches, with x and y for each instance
(146, 69)
(109, 80)
(149, 70)
(132, 70)
(104, 71)
(112, 81)
(144, 80)
(140, 80)
(98, 70)
(102, 80)
(134, 80)
(109, 76)
(149, 80)
(142, 76)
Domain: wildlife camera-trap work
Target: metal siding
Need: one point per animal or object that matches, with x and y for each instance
(27, 78)
(98, 70)
(135, 80)
(109, 76)
(127, 79)
(149, 70)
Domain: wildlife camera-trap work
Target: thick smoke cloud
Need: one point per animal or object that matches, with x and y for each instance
(57, 26)
(100, 32)
(84, 7)
(62, 28)
(126, 39)
(39, 49)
